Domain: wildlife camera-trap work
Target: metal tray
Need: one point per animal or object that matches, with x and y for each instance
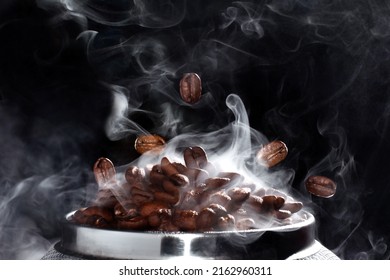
(269, 243)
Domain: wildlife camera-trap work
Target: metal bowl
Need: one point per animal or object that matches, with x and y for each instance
(269, 243)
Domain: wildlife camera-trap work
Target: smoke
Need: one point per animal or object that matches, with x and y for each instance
(81, 79)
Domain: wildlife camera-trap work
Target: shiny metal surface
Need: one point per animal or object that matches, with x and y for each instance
(269, 243)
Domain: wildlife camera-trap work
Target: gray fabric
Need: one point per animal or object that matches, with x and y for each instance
(315, 252)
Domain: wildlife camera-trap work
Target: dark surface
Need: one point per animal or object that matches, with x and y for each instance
(314, 74)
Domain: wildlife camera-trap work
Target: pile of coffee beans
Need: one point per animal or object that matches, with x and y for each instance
(192, 196)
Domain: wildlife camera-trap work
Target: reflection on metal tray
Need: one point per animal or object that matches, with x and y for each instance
(271, 243)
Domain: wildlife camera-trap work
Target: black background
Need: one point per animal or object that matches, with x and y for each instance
(314, 74)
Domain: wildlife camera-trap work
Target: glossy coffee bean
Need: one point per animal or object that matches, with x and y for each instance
(320, 186)
(190, 88)
(272, 153)
(150, 142)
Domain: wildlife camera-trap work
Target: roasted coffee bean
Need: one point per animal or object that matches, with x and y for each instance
(185, 219)
(104, 172)
(134, 175)
(190, 88)
(226, 223)
(216, 182)
(167, 167)
(245, 224)
(153, 206)
(149, 143)
(271, 202)
(272, 153)
(140, 199)
(219, 210)
(206, 219)
(171, 199)
(235, 178)
(320, 186)
(138, 222)
(293, 207)
(179, 180)
(220, 198)
(254, 202)
(279, 202)
(195, 175)
(125, 210)
(282, 214)
(105, 198)
(195, 157)
(159, 217)
(101, 223)
(136, 191)
(94, 211)
(239, 195)
(156, 176)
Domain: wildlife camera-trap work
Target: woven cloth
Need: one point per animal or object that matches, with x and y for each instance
(315, 252)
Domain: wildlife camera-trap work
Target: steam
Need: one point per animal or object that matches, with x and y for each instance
(301, 71)
(247, 17)
(148, 13)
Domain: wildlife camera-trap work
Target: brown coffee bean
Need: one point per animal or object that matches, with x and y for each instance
(125, 210)
(104, 172)
(134, 174)
(282, 214)
(152, 206)
(190, 88)
(272, 153)
(156, 176)
(293, 207)
(239, 195)
(220, 198)
(138, 222)
(149, 143)
(167, 167)
(268, 204)
(195, 175)
(235, 178)
(226, 223)
(166, 197)
(272, 202)
(179, 180)
(216, 182)
(162, 216)
(195, 157)
(206, 219)
(320, 186)
(105, 198)
(94, 211)
(136, 191)
(219, 210)
(254, 202)
(245, 224)
(185, 219)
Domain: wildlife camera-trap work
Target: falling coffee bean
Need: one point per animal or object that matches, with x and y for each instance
(150, 142)
(272, 153)
(320, 186)
(104, 172)
(190, 88)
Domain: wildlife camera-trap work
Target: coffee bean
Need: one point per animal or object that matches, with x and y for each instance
(245, 224)
(272, 153)
(190, 88)
(150, 142)
(104, 172)
(134, 175)
(320, 186)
